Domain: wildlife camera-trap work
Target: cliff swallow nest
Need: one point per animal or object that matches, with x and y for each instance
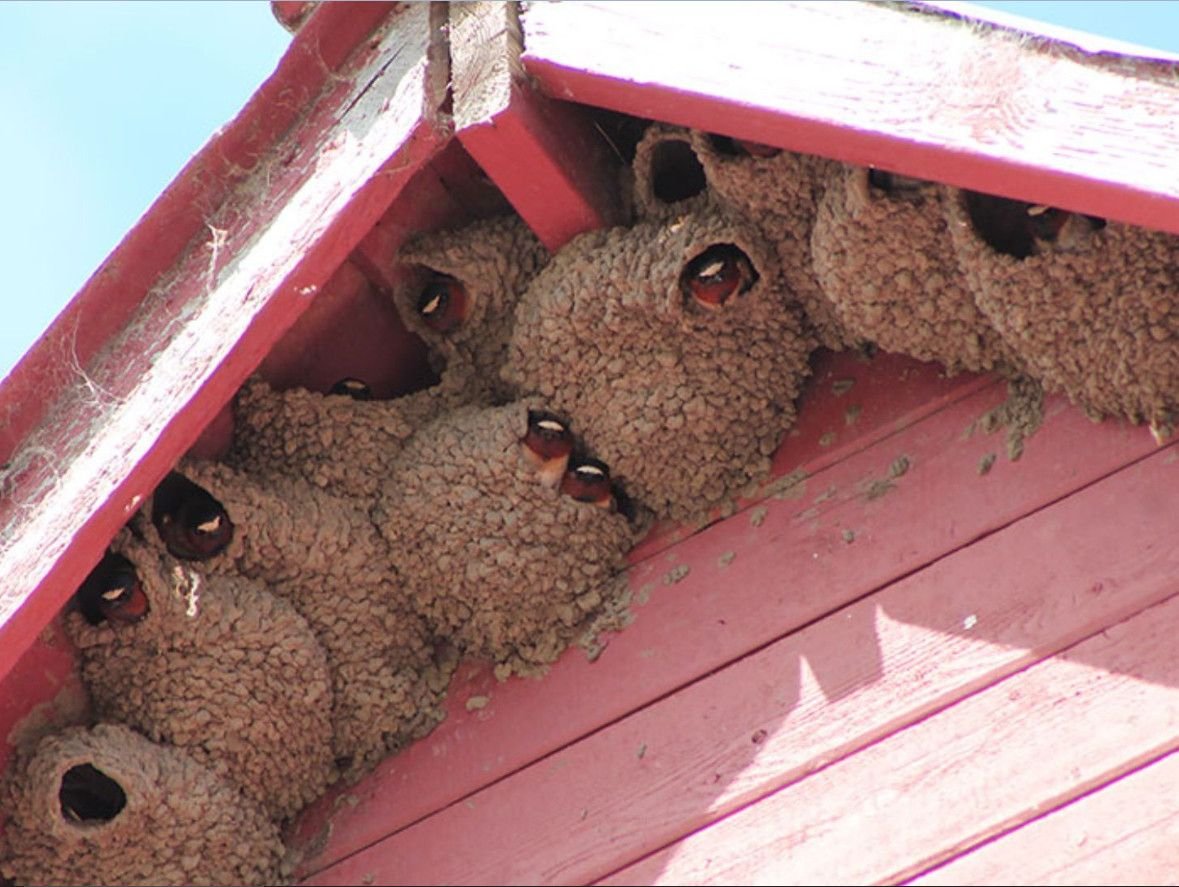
(292, 614)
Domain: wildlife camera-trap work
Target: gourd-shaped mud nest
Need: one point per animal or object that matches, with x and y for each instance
(459, 295)
(675, 349)
(214, 665)
(505, 548)
(887, 264)
(105, 805)
(775, 192)
(324, 555)
(1090, 308)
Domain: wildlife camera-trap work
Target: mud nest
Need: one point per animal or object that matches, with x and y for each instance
(108, 806)
(220, 668)
(887, 264)
(674, 347)
(1088, 307)
(324, 555)
(506, 567)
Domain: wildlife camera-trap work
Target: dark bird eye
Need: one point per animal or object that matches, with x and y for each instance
(443, 304)
(193, 525)
(716, 275)
(112, 592)
(353, 388)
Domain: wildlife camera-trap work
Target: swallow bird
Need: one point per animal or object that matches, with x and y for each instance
(718, 274)
(588, 480)
(546, 446)
(193, 525)
(112, 592)
(352, 388)
(1021, 229)
(443, 304)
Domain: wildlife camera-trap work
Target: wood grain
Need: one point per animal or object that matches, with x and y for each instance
(1125, 833)
(921, 94)
(560, 173)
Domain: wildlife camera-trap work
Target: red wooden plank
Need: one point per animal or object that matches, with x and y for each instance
(1059, 729)
(558, 171)
(845, 531)
(849, 404)
(917, 93)
(1125, 833)
(886, 661)
(129, 414)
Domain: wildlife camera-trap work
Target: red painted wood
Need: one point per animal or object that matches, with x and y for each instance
(867, 84)
(211, 319)
(1061, 728)
(291, 14)
(814, 697)
(848, 404)
(43, 690)
(749, 580)
(1125, 833)
(559, 172)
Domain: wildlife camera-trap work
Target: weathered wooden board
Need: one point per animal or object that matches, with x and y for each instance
(561, 175)
(1047, 735)
(193, 329)
(1125, 833)
(734, 587)
(836, 686)
(920, 94)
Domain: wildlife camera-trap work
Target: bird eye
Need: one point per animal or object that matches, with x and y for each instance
(192, 524)
(112, 592)
(353, 388)
(443, 304)
(716, 275)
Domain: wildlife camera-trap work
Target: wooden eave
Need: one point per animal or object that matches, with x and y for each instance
(364, 135)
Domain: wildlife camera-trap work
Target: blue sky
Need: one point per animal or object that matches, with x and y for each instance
(105, 102)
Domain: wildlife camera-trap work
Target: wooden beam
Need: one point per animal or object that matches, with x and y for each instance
(558, 171)
(239, 260)
(919, 93)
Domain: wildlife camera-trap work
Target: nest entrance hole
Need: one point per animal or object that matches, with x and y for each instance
(676, 172)
(90, 796)
(1020, 229)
